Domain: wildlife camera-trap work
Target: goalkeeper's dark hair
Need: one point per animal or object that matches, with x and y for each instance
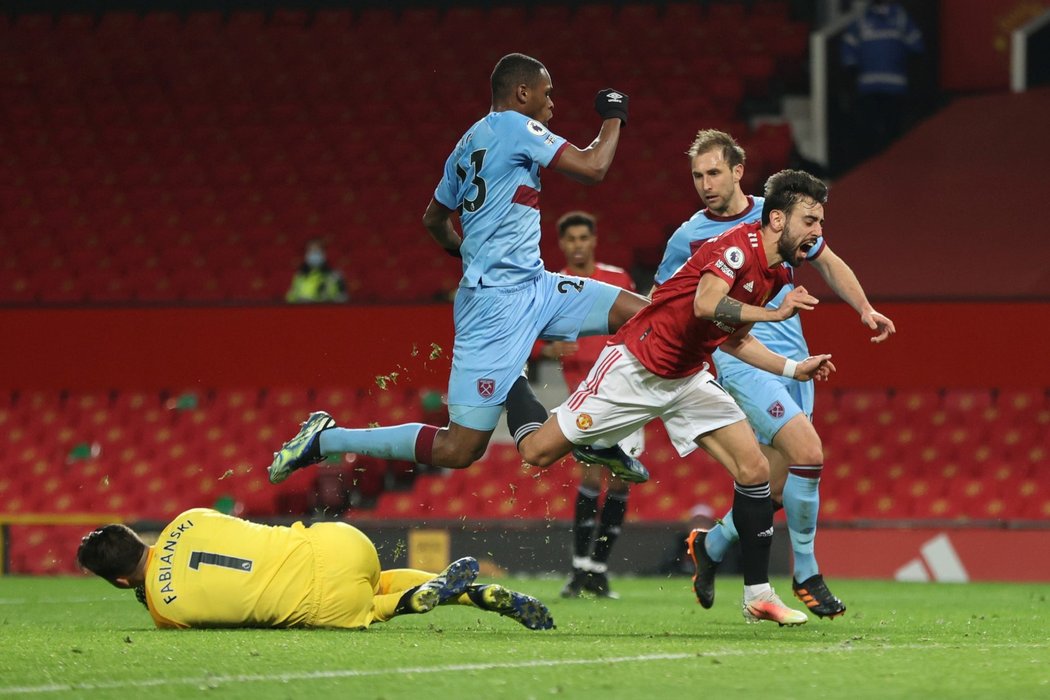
(111, 551)
(711, 139)
(789, 187)
(576, 218)
(513, 70)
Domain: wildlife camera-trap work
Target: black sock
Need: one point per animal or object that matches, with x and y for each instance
(525, 413)
(753, 517)
(476, 593)
(583, 521)
(404, 605)
(613, 511)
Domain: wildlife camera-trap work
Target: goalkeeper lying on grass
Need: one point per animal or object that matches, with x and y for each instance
(212, 570)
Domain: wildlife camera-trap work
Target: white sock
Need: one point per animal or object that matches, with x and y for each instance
(752, 592)
(583, 563)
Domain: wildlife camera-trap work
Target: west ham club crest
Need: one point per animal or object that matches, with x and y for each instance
(486, 388)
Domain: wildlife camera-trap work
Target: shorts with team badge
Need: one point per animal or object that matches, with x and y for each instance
(769, 400)
(620, 396)
(496, 328)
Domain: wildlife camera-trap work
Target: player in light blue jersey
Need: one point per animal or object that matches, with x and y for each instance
(506, 300)
(780, 409)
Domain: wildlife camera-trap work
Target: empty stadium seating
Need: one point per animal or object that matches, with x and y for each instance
(149, 456)
(168, 157)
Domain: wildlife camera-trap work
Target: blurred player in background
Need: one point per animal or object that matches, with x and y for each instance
(578, 238)
(780, 409)
(213, 570)
(656, 367)
(506, 300)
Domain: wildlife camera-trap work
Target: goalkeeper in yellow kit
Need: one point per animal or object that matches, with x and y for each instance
(212, 570)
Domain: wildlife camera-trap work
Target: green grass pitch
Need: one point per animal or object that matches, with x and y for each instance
(77, 637)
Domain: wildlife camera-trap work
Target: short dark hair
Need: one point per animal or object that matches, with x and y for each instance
(110, 551)
(709, 139)
(576, 218)
(789, 187)
(512, 70)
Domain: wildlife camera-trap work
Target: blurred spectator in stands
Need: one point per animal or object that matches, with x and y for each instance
(315, 281)
(876, 49)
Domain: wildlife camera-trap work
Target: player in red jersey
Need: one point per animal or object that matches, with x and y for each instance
(594, 532)
(656, 366)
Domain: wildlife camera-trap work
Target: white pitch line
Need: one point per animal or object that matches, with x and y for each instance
(456, 668)
(318, 675)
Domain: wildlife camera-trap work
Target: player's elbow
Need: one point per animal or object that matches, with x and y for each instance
(435, 217)
(431, 221)
(594, 170)
(592, 176)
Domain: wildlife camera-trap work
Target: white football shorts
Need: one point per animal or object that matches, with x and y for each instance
(620, 396)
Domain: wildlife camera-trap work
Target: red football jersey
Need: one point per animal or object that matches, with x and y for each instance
(667, 337)
(576, 366)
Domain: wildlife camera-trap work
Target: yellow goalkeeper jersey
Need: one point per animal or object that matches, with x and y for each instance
(212, 570)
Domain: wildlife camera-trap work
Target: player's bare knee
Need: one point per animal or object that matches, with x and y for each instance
(533, 453)
(812, 453)
(458, 456)
(753, 470)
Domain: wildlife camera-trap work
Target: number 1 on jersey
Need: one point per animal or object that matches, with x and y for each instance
(226, 562)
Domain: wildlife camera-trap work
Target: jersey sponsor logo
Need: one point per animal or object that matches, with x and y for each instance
(584, 421)
(734, 257)
(725, 327)
(728, 271)
(749, 286)
(535, 127)
(776, 409)
(486, 388)
(549, 140)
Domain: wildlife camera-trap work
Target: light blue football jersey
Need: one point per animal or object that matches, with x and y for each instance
(785, 337)
(492, 177)
(701, 226)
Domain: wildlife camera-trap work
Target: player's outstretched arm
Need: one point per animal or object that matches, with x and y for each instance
(591, 164)
(746, 348)
(438, 221)
(843, 281)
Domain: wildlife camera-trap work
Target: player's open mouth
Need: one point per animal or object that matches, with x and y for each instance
(806, 247)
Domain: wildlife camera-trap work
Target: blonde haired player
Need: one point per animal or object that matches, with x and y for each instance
(213, 570)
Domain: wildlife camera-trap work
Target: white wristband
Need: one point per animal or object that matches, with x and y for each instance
(789, 368)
